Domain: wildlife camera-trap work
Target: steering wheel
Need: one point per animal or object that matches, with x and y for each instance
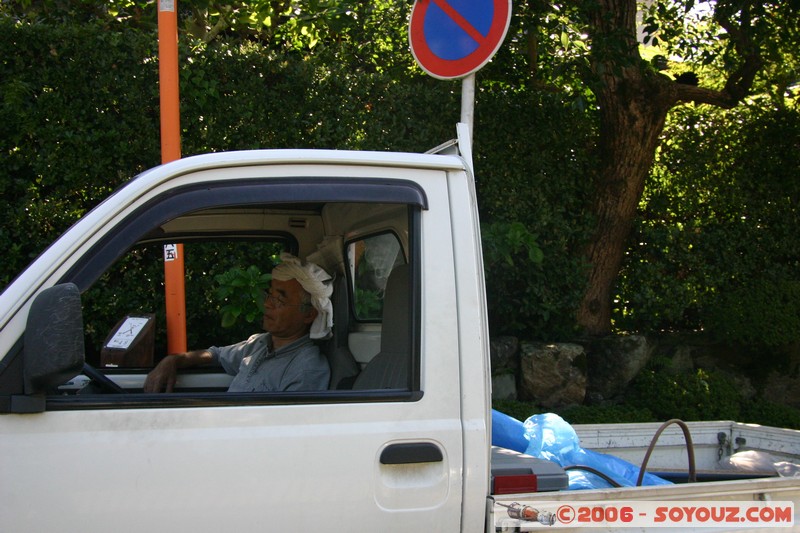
(106, 384)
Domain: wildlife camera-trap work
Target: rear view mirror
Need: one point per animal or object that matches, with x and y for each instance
(54, 349)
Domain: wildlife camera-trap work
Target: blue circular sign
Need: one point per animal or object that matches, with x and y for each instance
(454, 38)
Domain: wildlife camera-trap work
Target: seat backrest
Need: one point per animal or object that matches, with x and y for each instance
(340, 358)
(389, 368)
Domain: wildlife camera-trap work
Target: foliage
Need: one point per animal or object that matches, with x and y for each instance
(372, 33)
(577, 414)
(242, 291)
(606, 414)
(770, 414)
(68, 113)
(546, 50)
(761, 312)
(79, 116)
(634, 97)
(239, 97)
(700, 395)
(531, 161)
(506, 240)
(367, 303)
(511, 255)
(718, 219)
(701, 38)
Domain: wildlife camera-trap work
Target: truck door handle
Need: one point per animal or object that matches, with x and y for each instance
(411, 452)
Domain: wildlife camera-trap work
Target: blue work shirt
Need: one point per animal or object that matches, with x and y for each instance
(298, 366)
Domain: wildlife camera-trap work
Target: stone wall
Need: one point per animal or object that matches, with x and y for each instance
(597, 371)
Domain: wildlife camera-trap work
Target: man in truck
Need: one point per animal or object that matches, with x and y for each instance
(297, 310)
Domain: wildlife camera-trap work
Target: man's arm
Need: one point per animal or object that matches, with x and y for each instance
(164, 375)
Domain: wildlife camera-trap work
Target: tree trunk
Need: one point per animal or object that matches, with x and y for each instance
(633, 103)
(629, 133)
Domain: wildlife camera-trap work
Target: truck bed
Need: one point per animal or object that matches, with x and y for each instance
(713, 444)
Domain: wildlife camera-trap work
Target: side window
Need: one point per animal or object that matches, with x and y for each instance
(229, 252)
(371, 260)
(225, 280)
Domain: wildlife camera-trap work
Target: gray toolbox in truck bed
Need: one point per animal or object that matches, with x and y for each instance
(515, 473)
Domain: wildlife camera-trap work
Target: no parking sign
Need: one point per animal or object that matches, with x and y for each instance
(454, 38)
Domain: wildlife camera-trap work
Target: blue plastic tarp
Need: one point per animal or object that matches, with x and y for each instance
(548, 436)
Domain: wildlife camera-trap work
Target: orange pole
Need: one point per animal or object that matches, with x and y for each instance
(174, 275)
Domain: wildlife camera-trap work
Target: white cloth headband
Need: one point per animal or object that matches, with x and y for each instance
(316, 282)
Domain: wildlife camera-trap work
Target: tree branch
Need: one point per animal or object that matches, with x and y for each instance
(701, 95)
(740, 81)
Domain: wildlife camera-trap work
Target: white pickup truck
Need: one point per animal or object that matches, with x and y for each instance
(401, 441)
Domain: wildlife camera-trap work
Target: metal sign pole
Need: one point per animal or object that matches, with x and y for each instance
(465, 126)
(468, 102)
(453, 41)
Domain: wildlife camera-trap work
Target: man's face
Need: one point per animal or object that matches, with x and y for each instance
(284, 316)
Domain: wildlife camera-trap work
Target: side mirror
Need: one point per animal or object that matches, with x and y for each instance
(54, 349)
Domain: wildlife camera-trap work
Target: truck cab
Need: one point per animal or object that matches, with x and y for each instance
(399, 440)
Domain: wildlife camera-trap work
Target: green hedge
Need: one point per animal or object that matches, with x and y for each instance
(716, 246)
(79, 116)
(532, 155)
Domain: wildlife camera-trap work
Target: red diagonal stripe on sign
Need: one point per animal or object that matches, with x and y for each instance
(460, 20)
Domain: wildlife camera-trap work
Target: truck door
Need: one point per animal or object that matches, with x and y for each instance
(382, 450)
